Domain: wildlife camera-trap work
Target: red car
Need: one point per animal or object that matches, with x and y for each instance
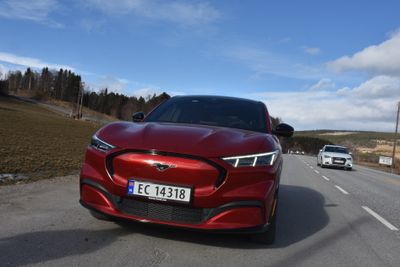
(200, 162)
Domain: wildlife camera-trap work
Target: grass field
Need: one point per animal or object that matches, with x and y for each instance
(38, 143)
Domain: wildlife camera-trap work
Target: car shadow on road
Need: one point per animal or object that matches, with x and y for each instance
(38, 247)
(301, 214)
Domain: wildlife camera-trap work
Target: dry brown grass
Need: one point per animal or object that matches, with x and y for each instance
(39, 143)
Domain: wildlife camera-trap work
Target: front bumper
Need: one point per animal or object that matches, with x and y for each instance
(331, 162)
(224, 198)
(238, 217)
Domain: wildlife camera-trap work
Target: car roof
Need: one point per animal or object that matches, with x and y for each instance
(218, 97)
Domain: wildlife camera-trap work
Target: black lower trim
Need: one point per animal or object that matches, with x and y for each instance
(247, 230)
(114, 199)
(206, 213)
(233, 205)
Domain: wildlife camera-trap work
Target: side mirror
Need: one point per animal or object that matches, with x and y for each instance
(138, 117)
(350, 153)
(284, 130)
(320, 150)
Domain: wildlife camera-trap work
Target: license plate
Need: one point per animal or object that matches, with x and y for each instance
(338, 161)
(160, 192)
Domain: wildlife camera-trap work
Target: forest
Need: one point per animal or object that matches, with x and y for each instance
(66, 85)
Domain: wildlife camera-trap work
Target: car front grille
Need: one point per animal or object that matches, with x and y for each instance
(162, 211)
(338, 161)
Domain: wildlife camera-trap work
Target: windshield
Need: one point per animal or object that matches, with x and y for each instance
(336, 149)
(214, 111)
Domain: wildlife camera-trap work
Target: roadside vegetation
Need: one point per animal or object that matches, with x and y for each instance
(67, 86)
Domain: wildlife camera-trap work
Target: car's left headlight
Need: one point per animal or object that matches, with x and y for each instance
(99, 144)
(349, 158)
(262, 159)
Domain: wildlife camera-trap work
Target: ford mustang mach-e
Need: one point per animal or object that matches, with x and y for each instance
(200, 162)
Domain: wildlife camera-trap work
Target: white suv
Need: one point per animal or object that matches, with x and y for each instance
(337, 156)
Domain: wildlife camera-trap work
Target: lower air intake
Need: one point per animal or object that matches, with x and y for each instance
(162, 211)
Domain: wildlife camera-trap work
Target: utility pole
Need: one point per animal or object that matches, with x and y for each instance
(80, 106)
(76, 106)
(395, 138)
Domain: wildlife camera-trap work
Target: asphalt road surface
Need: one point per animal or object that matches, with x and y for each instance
(327, 217)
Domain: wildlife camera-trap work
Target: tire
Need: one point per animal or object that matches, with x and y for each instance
(100, 216)
(268, 237)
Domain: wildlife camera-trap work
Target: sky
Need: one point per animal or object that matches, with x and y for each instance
(316, 64)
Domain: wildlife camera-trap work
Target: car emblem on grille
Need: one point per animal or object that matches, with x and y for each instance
(162, 167)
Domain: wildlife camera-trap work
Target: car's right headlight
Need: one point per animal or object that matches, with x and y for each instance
(262, 159)
(99, 144)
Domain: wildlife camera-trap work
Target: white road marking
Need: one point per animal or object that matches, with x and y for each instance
(316, 171)
(326, 178)
(312, 167)
(342, 190)
(379, 218)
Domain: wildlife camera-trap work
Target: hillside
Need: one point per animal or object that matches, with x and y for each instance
(354, 138)
(38, 143)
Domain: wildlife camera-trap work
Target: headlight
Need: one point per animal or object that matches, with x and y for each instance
(262, 159)
(327, 157)
(349, 158)
(99, 144)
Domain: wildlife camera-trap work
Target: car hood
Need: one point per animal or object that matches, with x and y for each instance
(337, 155)
(199, 140)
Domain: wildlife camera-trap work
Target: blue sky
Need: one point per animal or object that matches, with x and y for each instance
(316, 64)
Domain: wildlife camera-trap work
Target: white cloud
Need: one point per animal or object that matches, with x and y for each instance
(369, 106)
(113, 84)
(30, 62)
(383, 58)
(264, 62)
(90, 25)
(37, 11)
(3, 71)
(284, 40)
(379, 87)
(323, 84)
(179, 12)
(312, 50)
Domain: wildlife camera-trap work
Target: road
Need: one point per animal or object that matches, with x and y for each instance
(327, 217)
